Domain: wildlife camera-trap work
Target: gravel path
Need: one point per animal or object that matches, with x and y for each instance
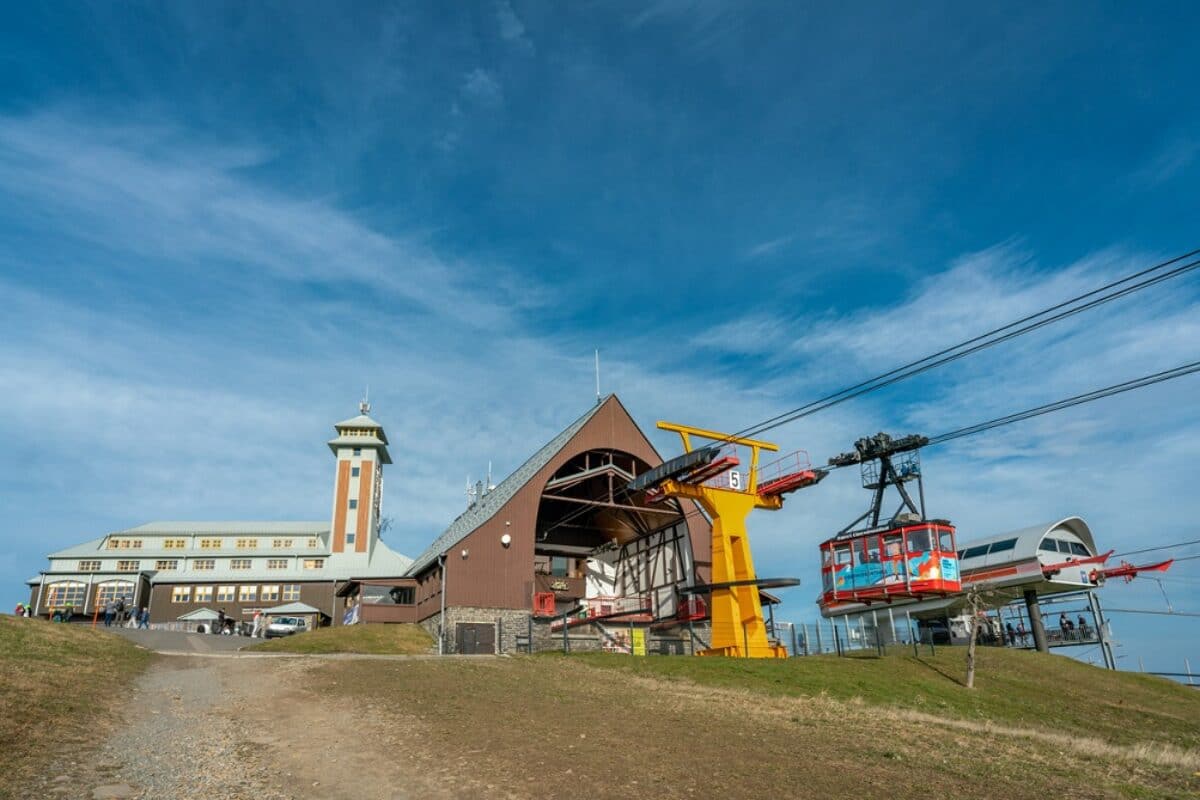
(199, 728)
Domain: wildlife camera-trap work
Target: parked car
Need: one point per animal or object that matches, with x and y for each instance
(285, 626)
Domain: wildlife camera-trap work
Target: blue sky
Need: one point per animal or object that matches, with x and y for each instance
(219, 222)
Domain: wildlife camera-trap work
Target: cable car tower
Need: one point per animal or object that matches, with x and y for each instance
(905, 555)
(885, 462)
(708, 476)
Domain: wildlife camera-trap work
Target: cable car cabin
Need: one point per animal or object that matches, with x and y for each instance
(915, 560)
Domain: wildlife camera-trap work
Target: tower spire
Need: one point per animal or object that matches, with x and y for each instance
(364, 406)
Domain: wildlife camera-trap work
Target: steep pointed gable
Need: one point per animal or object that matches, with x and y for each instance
(490, 504)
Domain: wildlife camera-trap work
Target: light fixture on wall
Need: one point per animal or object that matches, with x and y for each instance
(465, 552)
(506, 539)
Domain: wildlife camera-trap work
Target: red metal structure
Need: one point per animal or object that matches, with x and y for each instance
(1130, 571)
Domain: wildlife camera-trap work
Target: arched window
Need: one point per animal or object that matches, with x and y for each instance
(65, 593)
(113, 590)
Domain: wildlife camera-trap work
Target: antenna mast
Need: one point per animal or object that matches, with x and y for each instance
(597, 376)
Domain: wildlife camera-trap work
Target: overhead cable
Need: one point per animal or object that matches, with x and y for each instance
(1101, 295)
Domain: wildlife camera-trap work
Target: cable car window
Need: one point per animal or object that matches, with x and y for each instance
(871, 545)
(1079, 549)
(918, 541)
(974, 552)
(945, 541)
(1049, 545)
(1000, 547)
(842, 554)
(892, 545)
(826, 557)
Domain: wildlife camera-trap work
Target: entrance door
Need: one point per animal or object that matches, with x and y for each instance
(476, 638)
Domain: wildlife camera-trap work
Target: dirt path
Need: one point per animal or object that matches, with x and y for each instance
(231, 728)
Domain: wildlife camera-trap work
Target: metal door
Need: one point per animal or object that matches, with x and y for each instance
(475, 638)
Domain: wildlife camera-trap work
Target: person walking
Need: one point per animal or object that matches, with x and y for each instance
(110, 608)
(256, 631)
(1084, 632)
(1022, 632)
(1012, 634)
(221, 621)
(144, 619)
(1064, 626)
(20, 610)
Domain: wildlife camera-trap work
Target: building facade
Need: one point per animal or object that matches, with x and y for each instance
(175, 568)
(560, 535)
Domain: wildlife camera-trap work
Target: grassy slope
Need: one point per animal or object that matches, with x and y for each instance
(57, 687)
(1013, 688)
(373, 639)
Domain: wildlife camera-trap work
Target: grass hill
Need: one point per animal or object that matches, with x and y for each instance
(1013, 688)
(58, 687)
(401, 639)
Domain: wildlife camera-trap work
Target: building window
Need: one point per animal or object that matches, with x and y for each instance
(204, 564)
(174, 544)
(269, 593)
(204, 594)
(210, 544)
(127, 566)
(124, 544)
(314, 563)
(89, 566)
(247, 594)
(168, 565)
(353, 504)
(313, 542)
(358, 451)
(113, 591)
(291, 591)
(65, 593)
(225, 594)
(247, 544)
(181, 594)
(239, 563)
(279, 544)
(354, 472)
(276, 563)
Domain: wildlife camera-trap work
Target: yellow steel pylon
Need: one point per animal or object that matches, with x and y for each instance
(736, 611)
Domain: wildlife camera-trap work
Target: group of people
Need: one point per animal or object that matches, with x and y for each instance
(1071, 633)
(228, 626)
(116, 612)
(1013, 634)
(23, 610)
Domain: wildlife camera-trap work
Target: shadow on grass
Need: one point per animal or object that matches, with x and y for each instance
(942, 672)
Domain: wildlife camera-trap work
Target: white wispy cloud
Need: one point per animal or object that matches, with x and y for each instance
(481, 86)
(1174, 157)
(512, 29)
(165, 197)
(769, 247)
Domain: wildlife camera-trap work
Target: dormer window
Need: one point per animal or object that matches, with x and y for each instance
(358, 451)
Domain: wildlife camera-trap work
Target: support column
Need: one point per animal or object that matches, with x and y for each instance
(1110, 660)
(1035, 621)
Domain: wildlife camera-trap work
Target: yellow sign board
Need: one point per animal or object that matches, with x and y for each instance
(639, 641)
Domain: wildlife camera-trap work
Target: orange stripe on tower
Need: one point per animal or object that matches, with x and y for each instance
(339, 506)
(364, 507)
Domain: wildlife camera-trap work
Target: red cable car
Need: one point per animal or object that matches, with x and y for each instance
(909, 556)
(907, 561)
